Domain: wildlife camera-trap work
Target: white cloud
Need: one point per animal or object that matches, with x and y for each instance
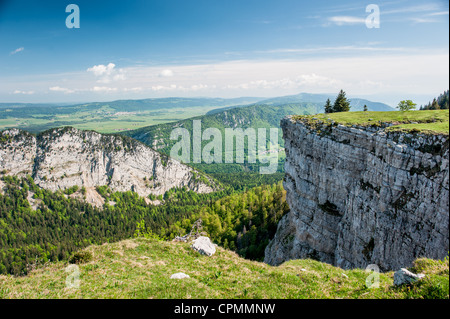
(166, 73)
(23, 92)
(346, 20)
(440, 13)
(296, 83)
(361, 73)
(135, 89)
(199, 87)
(181, 88)
(422, 20)
(417, 8)
(165, 88)
(103, 89)
(17, 50)
(60, 89)
(389, 71)
(368, 47)
(107, 73)
(101, 69)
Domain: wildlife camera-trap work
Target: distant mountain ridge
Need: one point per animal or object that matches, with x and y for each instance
(130, 105)
(357, 104)
(139, 104)
(267, 113)
(122, 115)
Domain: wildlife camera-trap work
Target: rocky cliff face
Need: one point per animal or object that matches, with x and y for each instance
(64, 157)
(361, 196)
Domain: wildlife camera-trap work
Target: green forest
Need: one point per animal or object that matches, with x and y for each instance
(237, 217)
(439, 103)
(255, 116)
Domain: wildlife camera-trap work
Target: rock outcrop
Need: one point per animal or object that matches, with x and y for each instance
(362, 195)
(64, 157)
(405, 277)
(204, 246)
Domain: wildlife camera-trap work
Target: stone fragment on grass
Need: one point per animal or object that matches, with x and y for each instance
(179, 275)
(403, 276)
(204, 246)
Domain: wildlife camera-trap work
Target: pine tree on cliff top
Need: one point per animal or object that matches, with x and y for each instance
(328, 107)
(341, 104)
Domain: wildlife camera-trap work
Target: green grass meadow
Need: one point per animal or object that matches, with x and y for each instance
(141, 268)
(435, 121)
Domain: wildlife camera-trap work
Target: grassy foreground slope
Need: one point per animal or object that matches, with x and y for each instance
(141, 268)
(429, 121)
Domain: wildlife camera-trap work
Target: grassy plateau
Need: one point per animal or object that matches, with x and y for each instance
(141, 268)
(429, 121)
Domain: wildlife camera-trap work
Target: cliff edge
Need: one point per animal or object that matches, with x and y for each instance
(362, 195)
(64, 157)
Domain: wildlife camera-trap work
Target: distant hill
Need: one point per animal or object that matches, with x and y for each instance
(175, 102)
(356, 104)
(265, 114)
(133, 105)
(124, 115)
(253, 116)
(109, 117)
(318, 100)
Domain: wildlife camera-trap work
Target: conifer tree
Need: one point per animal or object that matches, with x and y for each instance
(328, 107)
(341, 104)
(434, 105)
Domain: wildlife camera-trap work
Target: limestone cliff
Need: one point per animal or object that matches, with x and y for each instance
(64, 157)
(362, 195)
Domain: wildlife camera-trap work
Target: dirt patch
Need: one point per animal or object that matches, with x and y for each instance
(94, 198)
(128, 244)
(155, 202)
(34, 202)
(119, 252)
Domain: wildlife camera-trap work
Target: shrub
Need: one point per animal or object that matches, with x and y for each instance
(80, 257)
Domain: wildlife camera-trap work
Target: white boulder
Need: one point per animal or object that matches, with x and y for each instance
(179, 275)
(204, 246)
(403, 276)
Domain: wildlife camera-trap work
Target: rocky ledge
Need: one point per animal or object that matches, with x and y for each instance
(361, 196)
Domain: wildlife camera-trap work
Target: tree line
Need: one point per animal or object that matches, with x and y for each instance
(439, 103)
(341, 104)
(243, 221)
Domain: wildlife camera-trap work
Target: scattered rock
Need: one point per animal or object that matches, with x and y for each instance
(179, 275)
(195, 233)
(204, 246)
(181, 238)
(403, 276)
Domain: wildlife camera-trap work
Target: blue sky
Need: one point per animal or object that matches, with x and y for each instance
(142, 49)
